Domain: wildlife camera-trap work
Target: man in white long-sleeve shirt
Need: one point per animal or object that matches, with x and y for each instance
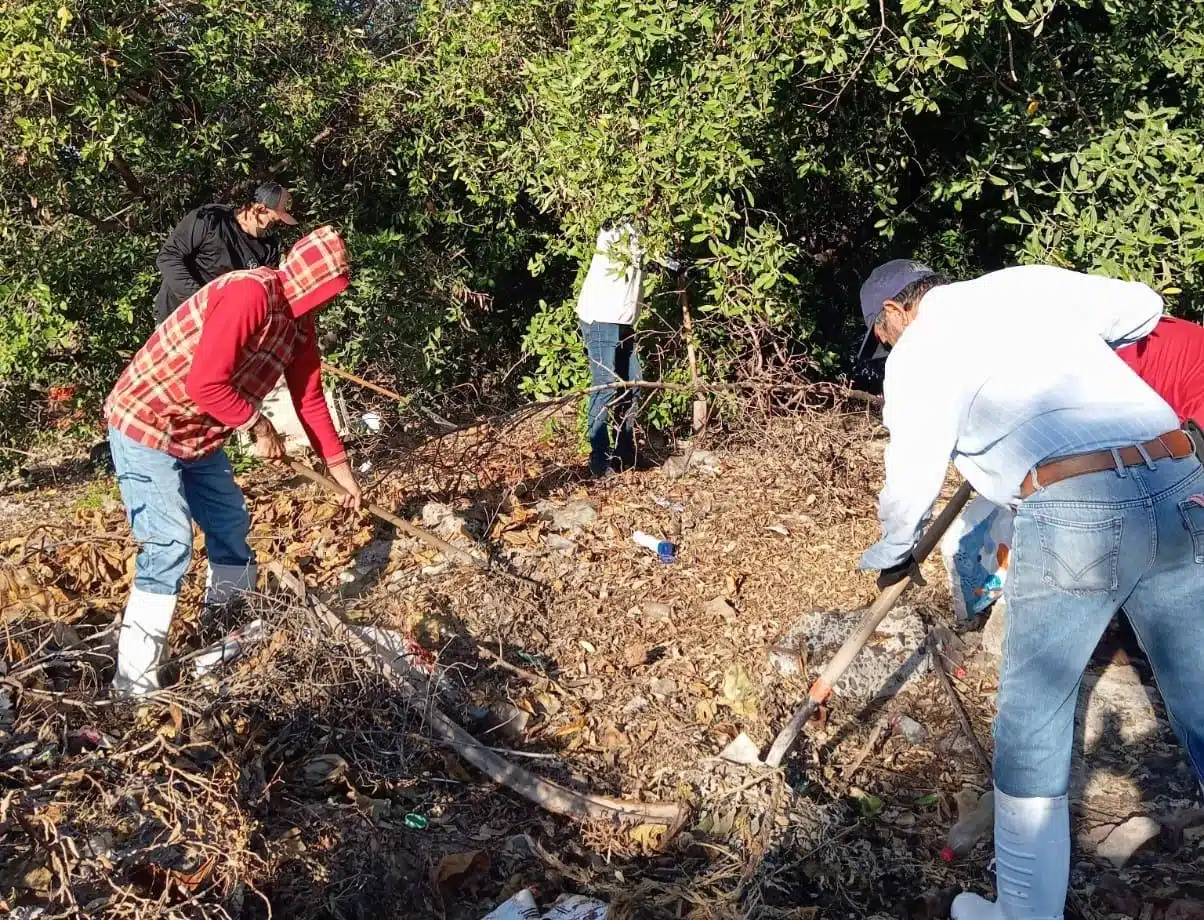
(1014, 377)
(607, 309)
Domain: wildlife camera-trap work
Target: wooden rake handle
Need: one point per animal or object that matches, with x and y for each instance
(389, 517)
(822, 688)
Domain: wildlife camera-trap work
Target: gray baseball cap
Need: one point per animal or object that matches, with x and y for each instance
(275, 197)
(884, 282)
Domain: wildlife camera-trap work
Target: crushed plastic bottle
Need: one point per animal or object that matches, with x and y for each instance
(229, 648)
(975, 820)
(665, 551)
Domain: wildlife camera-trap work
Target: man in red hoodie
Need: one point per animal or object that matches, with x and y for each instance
(1171, 360)
(201, 376)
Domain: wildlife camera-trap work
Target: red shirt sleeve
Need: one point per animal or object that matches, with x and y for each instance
(304, 377)
(235, 313)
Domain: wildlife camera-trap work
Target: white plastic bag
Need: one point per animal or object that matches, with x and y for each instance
(567, 907)
(976, 550)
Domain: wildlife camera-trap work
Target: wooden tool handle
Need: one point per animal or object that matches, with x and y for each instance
(822, 688)
(389, 517)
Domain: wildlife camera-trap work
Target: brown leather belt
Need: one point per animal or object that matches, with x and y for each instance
(1173, 444)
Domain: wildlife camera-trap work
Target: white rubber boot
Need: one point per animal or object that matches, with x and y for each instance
(226, 582)
(1032, 862)
(142, 643)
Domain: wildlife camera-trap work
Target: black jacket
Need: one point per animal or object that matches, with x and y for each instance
(206, 244)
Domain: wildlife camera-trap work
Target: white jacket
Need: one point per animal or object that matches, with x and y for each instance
(614, 285)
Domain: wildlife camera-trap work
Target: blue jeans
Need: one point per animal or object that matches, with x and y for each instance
(1082, 548)
(163, 495)
(612, 357)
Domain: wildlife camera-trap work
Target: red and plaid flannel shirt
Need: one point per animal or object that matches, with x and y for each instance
(207, 368)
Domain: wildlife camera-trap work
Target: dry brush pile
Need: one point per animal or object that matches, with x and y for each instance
(302, 780)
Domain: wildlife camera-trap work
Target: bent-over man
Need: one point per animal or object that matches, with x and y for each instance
(200, 377)
(1109, 502)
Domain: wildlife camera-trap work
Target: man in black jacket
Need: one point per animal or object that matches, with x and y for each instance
(216, 239)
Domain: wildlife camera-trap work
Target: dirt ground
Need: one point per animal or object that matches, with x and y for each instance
(298, 782)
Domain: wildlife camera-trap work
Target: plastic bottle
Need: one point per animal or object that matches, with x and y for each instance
(229, 648)
(665, 551)
(974, 821)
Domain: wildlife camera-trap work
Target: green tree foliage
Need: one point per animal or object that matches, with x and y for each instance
(471, 148)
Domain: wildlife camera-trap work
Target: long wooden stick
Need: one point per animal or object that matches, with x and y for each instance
(542, 792)
(360, 381)
(822, 688)
(935, 652)
(389, 517)
(687, 326)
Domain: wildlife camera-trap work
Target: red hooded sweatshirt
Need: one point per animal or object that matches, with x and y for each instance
(1171, 360)
(205, 371)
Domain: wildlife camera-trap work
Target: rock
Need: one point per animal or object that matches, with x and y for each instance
(657, 613)
(742, 750)
(559, 544)
(1123, 843)
(444, 521)
(719, 607)
(1118, 721)
(573, 517)
(992, 632)
(1117, 896)
(507, 721)
(690, 458)
(324, 770)
(663, 686)
(911, 730)
(635, 654)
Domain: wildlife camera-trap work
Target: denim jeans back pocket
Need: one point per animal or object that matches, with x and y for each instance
(1080, 557)
(1192, 514)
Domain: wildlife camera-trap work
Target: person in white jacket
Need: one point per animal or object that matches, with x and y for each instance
(607, 310)
(1109, 503)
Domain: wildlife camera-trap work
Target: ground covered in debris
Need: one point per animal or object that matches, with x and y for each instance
(300, 781)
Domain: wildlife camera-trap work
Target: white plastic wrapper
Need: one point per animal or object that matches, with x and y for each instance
(976, 549)
(567, 907)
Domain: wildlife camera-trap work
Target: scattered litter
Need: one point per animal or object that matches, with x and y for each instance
(655, 612)
(371, 421)
(779, 529)
(665, 551)
(975, 821)
(229, 648)
(415, 822)
(669, 506)
(567, 907)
